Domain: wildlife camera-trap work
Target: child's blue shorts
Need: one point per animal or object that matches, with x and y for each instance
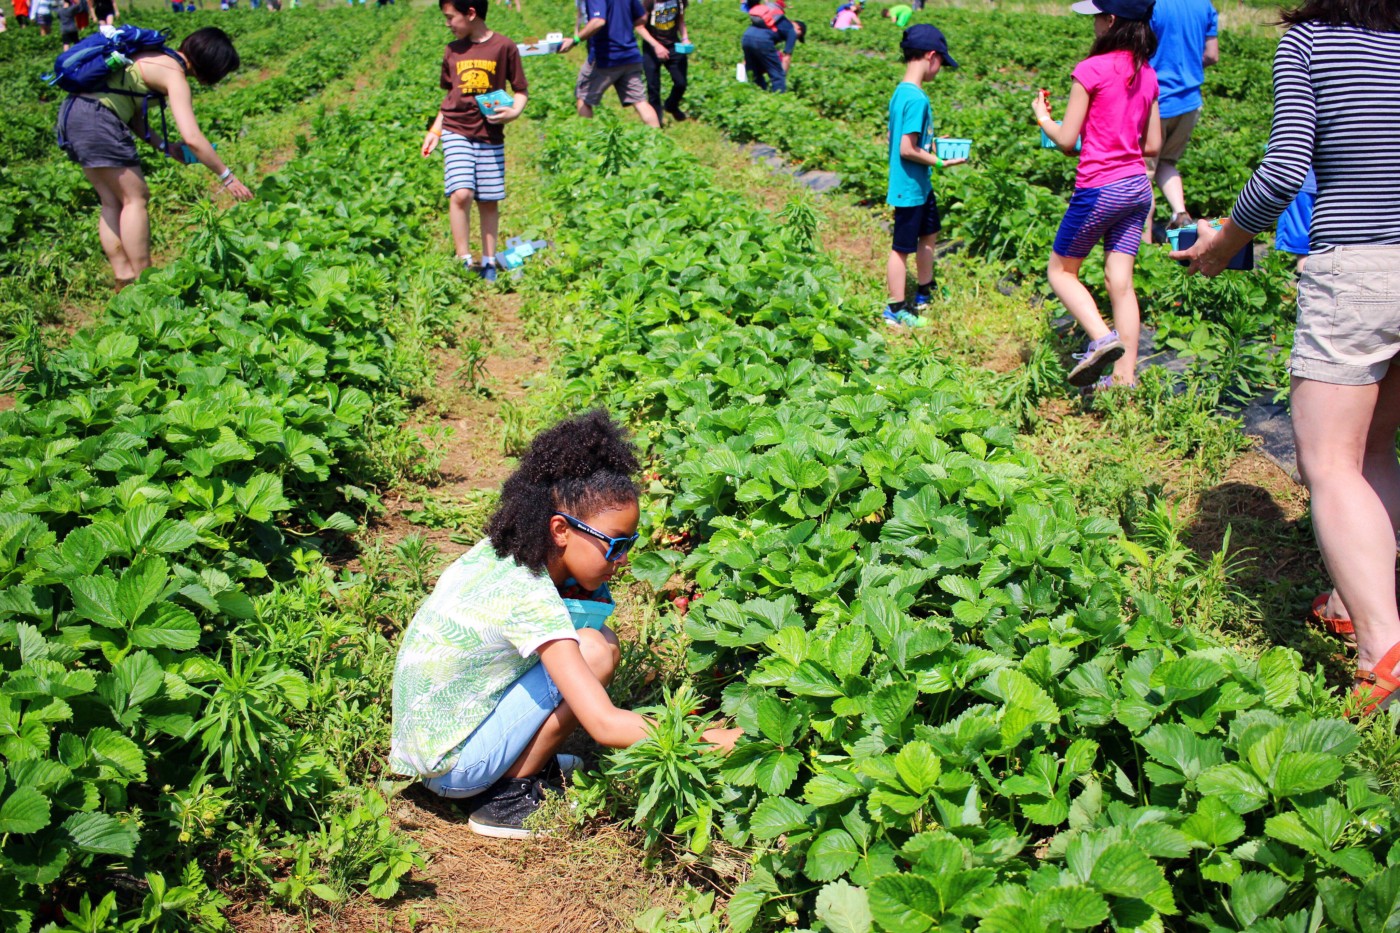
(1115, 213)
(1293, 225)
(502, 736)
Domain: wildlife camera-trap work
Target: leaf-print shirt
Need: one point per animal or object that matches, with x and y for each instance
(474, 636)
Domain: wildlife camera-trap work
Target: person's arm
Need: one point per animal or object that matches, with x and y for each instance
(1279, 177)
(1152, 134)
(515, 74)
(657, 46)
(1066, 133)
(680, 24)
(909, 149)
(165, 76)
(591, 28)
(789, 33)
(1211, 55)
(433, 136)
(589, 701)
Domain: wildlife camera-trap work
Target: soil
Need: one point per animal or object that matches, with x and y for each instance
(567, 883)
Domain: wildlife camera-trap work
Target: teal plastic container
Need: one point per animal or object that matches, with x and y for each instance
(685, 48)
(489, 102)
(950, 148)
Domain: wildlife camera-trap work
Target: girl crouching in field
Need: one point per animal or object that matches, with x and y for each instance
(1113, 101)
(510, 653)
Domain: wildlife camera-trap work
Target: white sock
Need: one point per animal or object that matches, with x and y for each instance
(466, 259)
(488, 260)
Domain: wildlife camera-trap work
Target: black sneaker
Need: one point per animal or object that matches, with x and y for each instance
(677, 114)
(502, 810)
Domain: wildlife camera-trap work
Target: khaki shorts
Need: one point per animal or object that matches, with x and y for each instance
(628, 79)
(1348, 315)
(1176, 133)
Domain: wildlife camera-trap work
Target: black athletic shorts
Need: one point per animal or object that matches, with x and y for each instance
(913, 223)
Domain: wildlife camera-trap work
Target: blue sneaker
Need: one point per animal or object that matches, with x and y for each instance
(921, 300)
(488, 272)
(903, 318)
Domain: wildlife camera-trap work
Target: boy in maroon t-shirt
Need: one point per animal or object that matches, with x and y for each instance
(479, 61)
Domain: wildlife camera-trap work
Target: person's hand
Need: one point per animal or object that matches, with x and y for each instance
(501, 115)
(723, 739)
(236, 188)
(786, 59)
(951, 162)
(566, 45)
(1041, 107)
(1200, 258)
(662, 53)
(430, 142)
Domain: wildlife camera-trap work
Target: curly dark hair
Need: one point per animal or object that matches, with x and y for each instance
(579, 466)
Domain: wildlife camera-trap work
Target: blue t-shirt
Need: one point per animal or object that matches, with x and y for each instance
(909, 113)
(1182, 27)
(615, 44)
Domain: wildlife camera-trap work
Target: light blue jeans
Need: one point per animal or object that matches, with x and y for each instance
(502, 736)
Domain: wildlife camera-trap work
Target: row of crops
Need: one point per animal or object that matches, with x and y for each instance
(962, 706)
(178, 694)
(966, 704)
(1006, 205)
(49, 252)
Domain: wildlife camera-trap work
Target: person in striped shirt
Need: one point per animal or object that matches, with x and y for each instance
(1337, 110)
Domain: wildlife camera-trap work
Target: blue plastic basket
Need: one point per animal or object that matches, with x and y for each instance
(685, 48)
(949, 148)
(1185, 237)
(1047, 143)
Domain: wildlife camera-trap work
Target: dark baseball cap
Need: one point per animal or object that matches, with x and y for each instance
(926, 38)
(1123, 9)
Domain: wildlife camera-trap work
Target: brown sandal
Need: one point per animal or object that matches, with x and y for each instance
(1373, 687)
(1341, 627)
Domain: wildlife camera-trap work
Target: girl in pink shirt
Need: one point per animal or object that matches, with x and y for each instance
(1113, 105)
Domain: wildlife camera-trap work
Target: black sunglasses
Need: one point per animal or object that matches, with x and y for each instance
(617, 547)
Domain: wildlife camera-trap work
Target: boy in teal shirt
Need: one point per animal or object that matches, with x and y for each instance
(916, 220)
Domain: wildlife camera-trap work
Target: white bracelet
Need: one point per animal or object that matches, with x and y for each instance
(228, 173)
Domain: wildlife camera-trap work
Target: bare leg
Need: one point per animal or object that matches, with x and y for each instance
(601, 653)
(1064, 279)
(1118, 276)
(490, 214)
(109, 226)
(1169, 180)
(923, 259)
(896, 276)
(584, 110)
(1332, 426)
(648, 114)
(1379, 465)
(459, 216)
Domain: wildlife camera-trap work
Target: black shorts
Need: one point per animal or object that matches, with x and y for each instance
(912, 224)
(69, 38)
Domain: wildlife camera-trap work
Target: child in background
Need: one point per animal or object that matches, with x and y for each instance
(510, 653)
(1296, 220)
(68, 11)
(768, 25)
(900, 13)
(1113, 103)
(43, 15)
(916, 220)
(847, 16)
(478, 61)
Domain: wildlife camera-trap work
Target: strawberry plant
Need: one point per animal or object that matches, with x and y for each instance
(959, 709)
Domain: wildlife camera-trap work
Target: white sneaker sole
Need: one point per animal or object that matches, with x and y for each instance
(502, 832)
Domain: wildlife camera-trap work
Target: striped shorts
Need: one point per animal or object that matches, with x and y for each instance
(1115, 214)
(476, 166)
